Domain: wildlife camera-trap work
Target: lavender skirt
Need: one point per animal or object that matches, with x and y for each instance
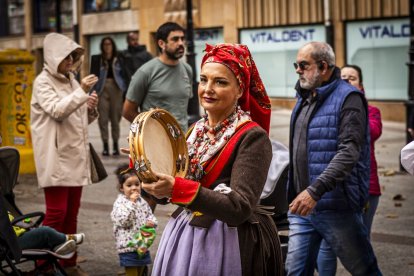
(186, 250)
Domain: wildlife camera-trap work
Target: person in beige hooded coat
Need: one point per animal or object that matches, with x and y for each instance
(61, 110)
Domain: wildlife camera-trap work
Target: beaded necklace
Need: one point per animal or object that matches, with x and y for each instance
(203, 142)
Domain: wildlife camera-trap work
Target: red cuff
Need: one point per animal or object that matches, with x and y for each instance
(184, 191)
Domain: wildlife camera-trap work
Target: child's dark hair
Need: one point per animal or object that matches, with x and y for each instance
(123, 172)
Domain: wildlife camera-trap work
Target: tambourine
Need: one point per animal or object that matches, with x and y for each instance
(157, 144)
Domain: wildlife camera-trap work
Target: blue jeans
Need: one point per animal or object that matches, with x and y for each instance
(43, 237)
(327, 258)
(368, 215)
(344, 232)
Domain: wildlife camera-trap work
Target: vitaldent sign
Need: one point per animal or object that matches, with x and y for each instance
(211, 36)
(376, 34)
(201, 37)
(281, 38)
(274, 51)
(377, 46)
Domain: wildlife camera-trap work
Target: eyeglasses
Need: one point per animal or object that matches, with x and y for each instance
(303, 65)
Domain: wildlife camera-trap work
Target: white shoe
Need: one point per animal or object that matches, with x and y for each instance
(78, 238)
(65, 248)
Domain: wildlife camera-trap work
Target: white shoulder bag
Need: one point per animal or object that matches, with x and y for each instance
(407, 157)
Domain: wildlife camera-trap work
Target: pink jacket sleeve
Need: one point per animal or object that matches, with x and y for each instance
(375, 124)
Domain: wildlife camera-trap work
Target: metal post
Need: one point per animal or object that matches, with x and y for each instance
(75, 20)
(328, 23)
(409, 104)
(193, 105)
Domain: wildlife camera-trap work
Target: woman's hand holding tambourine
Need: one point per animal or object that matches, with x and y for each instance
(157, 144)
(161, 188)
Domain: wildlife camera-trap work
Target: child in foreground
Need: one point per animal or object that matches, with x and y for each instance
(134, 223)
(30, 236)
(45, 237)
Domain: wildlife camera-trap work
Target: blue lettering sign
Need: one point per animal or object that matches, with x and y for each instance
(384, 31)
(204, 35)
(284, 36)
(256, 37)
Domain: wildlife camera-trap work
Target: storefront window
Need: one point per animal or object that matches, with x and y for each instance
(105, 5)
(95, 42)
(201, 37)
(274, 52)
(44, 15)
(11, 18)
(380, 48)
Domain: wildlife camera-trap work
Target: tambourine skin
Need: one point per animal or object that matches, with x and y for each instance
(157, 144)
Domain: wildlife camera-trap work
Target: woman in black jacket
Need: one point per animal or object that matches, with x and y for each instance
(110, 88)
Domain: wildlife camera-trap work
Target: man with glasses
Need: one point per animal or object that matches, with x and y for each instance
(329, 167)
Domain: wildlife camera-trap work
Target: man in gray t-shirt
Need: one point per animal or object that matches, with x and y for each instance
(163, 82)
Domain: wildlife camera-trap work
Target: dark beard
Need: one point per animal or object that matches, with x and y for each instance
(174, 55)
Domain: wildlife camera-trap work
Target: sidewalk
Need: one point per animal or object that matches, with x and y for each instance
(393, 228)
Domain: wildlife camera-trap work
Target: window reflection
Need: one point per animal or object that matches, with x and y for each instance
(105, 5)
(11, 17)
(44, 15)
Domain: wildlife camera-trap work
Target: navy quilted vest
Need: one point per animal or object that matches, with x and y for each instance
(322, 146)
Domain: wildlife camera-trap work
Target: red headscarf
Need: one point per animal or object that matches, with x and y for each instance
(238, 59)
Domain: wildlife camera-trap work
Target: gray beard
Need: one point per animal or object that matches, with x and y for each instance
(312, 83)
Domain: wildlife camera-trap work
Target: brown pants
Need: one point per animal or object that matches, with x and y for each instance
(110, 109)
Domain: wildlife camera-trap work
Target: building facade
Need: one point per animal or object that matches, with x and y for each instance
(374, 34)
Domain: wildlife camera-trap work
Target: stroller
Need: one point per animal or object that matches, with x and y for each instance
(274, 192)
(10, 253)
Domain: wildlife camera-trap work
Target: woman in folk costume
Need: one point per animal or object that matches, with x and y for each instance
(219, 229)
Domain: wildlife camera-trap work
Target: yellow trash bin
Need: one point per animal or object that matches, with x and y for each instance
(16, 81)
